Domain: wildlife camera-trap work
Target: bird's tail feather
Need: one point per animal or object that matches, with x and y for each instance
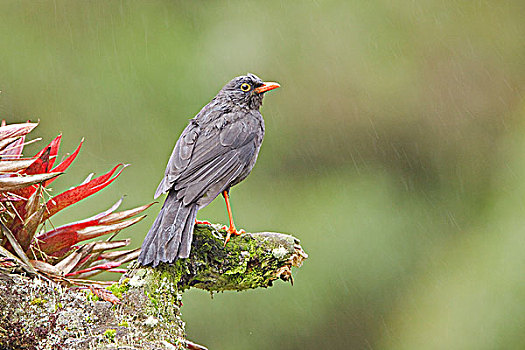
(170, 236)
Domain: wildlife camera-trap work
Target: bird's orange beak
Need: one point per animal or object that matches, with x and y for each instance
(266, 87)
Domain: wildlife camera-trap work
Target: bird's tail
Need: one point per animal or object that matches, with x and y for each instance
(170, 236)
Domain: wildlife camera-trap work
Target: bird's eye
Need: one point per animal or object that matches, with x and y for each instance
(246, 87)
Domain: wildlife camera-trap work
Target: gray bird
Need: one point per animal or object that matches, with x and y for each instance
(216, 151)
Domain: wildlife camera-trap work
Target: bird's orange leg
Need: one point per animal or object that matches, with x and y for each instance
(231, 230)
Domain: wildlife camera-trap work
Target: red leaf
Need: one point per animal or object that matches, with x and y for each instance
(15, 130)
(106, 266)
(82, 261)
(14, 165)
(69, 262)
(75, 226)
(95, 231)
(121, 256)
(63, 251)
(123, 215)
(14, 184)
(5, 198)
(60, 240)
(107, 212)
(14, 150)
(53, 146)
(65, 199)
(41, 165)
(66, 162)
(57, 242)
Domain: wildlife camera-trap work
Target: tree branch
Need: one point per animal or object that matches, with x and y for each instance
(39, 314)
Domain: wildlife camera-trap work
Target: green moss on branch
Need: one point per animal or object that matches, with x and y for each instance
(248, 261)
(38, 314)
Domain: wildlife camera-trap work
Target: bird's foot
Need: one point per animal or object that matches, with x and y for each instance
(232, 231)
(197, 222)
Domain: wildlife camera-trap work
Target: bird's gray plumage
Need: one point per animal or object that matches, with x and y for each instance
(216, 151)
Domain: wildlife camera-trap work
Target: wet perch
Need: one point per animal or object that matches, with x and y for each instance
(38, 314)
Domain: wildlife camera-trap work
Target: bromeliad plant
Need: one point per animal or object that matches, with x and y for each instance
(27, 236)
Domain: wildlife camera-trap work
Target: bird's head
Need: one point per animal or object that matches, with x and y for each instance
(247, 90)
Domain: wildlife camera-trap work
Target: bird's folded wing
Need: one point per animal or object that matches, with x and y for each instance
(215, 178)
(180, 157)
(210, 156)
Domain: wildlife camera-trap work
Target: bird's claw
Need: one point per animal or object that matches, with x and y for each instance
(197, 222)
(231, 231)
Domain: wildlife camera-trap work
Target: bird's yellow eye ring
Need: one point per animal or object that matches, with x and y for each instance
(246, 87)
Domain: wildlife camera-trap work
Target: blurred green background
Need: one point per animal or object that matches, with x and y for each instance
(395, 150)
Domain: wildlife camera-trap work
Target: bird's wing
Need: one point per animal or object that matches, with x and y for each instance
(212, 156)
(180, 157)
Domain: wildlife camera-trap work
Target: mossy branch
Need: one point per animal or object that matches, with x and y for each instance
(38, 314)
(248, 261)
